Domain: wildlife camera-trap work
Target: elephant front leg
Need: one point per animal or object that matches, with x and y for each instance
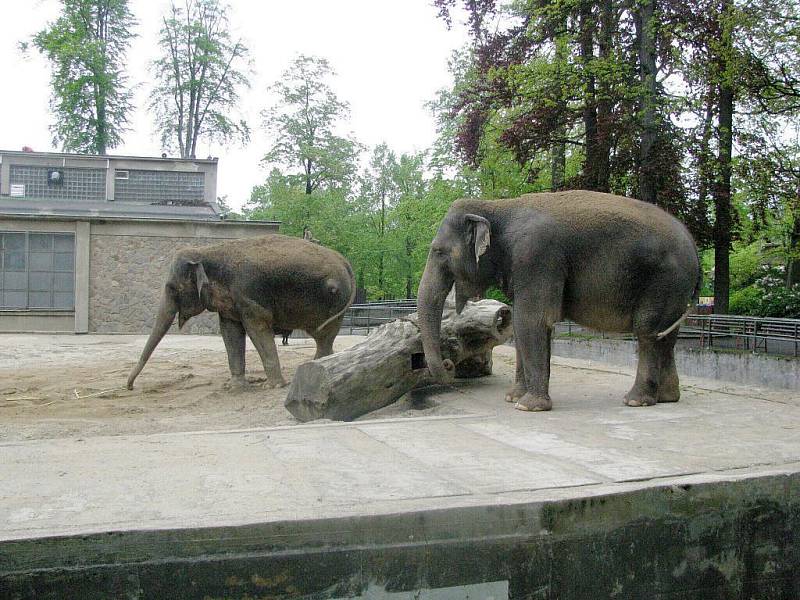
(234, 337)
(520, 386)
(260, 332)
(534, 348)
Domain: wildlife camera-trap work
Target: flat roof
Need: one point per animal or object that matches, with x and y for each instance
(212, 160)
(54, 210)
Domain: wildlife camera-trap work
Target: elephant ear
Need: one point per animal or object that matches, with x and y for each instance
(199, 276)
(479, 230)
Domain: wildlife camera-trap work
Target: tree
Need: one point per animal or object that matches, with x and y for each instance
(379, 195)
(576, 79)
(86, 48)
(303, 122)
(770, 44)
(198, 77)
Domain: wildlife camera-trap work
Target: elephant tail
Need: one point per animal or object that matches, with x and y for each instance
(349, 301)
(692, 303)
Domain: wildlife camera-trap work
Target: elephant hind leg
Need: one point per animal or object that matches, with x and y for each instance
(656, 376)
(645, 387)
(324, 339)
(668, 384)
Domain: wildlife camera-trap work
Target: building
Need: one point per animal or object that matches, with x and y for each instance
(86, 241)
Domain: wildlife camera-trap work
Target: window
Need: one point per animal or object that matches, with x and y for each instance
(37, 270)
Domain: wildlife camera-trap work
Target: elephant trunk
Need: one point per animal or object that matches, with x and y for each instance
(166, 315)
(433, 289)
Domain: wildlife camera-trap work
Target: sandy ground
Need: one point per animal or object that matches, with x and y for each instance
(55, 386)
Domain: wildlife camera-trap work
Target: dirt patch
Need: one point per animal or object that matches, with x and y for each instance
(70, 386)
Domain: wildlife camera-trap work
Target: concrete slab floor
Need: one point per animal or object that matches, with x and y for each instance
(483, 454)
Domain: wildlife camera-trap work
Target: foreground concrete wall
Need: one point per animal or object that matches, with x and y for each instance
(741, 367)
(720, 540)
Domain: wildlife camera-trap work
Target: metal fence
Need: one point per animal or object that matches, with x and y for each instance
(360, 319)
(754, 334)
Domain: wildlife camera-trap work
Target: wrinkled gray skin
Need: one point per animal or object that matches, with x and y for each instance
(257, 285)
(608, 262)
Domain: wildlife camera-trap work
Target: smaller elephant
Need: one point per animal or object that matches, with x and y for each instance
(284, 333)
(258, 287)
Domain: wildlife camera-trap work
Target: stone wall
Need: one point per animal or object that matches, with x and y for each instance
(127, 277)
(735, 367)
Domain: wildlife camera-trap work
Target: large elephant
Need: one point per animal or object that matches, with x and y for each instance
(605, 261)
(257, 285)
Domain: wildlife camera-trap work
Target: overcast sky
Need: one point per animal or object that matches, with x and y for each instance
(390, 57)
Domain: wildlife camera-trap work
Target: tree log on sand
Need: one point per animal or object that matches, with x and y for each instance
(390, 362)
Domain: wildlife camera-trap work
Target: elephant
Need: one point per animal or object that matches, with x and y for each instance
(257, 285)
(608, 262)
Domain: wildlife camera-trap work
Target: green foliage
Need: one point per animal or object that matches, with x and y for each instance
(768, 296)
(777, 299)
(746, 261)
(746, 301)
(302, 123)
(497, 294)
(86, 48)
(198, 77)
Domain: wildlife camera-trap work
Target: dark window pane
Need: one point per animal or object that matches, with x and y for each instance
(14, 299)
(64, 242)
(14, 241)
(41, 261)
(14, 281)
(40, 300)
(63, 262)
(40, 282)
(63, 300)
(41, 241)
(14, 261)
(63, 282)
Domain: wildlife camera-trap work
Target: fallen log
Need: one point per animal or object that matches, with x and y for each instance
(390, 362)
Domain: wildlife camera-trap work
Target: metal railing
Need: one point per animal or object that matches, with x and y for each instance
(744, 333)
(360, 319)
(754, 334)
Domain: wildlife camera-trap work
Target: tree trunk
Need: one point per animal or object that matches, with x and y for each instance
(390, 362)
(793, 263)
(647, 102)
(723, 223)
(604, 117)
(589, 102)
(559, 150)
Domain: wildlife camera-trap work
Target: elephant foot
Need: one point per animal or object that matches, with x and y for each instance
(516, 392)
(668, 396)
(669, 391)
(636, 398)
(275, 383)
(531, 403)
(235, 383)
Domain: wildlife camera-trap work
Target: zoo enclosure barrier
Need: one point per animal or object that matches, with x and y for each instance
(754, 334)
